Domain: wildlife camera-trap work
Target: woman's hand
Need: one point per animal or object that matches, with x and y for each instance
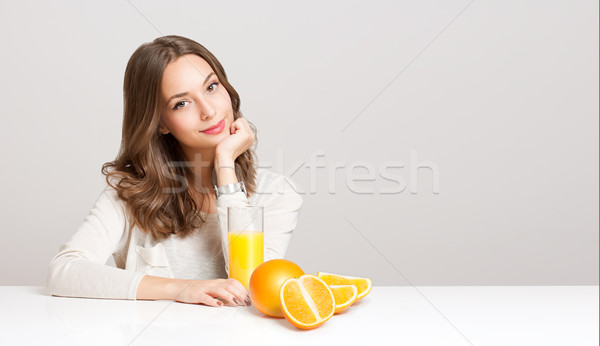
(241, 139)
(211, 292)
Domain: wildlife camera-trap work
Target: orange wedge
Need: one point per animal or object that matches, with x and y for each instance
(363, 285)
(344, 296)
(306, 302)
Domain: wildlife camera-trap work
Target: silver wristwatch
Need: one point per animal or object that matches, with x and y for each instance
(230, 188)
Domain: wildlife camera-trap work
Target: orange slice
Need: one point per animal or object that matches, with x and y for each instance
(306, 302)
(344, 296)
(363, 285)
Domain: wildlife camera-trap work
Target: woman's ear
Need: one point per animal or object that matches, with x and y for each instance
(163, 130)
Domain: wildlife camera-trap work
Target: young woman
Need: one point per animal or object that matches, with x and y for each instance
(187, 154)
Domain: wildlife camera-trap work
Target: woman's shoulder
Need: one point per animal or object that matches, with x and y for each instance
(109, 197)
(265, 176)
(269, 181)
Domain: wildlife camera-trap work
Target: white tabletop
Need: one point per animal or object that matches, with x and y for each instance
(423, 315)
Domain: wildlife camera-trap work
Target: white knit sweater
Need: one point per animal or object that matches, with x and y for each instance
(80, 270)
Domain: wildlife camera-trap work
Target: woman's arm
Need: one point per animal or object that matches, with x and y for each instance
(156, 288)
(79, 269)
(193, 291)
(228, 150)
(225, 171)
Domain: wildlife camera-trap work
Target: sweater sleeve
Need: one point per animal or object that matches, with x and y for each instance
(282, 204)
(79, 269)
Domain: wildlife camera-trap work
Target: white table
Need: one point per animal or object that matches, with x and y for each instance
(423, 315)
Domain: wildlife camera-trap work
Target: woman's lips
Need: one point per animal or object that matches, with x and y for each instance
(215, 129)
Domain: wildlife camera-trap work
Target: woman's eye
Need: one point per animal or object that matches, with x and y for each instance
(211, 84)
(179, 105)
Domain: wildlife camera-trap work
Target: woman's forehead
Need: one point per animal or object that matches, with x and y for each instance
(184, 73)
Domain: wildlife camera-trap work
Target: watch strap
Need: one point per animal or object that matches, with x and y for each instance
(230, 188)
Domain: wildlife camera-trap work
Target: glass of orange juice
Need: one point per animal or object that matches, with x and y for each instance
(245, 236)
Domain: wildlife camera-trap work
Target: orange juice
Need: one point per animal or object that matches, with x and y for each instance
(245, 254)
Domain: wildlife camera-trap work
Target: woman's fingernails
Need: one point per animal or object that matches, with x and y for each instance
(235, 300)
(219, 303)
(247, 301)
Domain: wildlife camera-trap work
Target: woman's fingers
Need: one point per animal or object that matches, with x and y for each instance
(226, 296)
(202, 298)
(245, 127)
(240, 292)
(234, 292)
(242, 128)
(215, 293)
(230, 291)
(242, 124)
(237, 125)
(241, 139)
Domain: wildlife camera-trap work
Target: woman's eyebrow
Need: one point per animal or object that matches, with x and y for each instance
(185, 92)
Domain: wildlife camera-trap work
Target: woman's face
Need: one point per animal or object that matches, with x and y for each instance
(194, 101)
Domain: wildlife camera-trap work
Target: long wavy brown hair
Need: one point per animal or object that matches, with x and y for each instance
(154, 189)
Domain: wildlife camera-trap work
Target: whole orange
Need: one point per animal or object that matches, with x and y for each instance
(265, 282)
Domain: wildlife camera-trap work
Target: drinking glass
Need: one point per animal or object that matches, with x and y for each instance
(246, 246)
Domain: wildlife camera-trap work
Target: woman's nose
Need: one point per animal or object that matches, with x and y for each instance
(207, 115)
(207, 111)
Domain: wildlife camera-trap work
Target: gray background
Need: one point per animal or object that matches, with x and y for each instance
(500, 99)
